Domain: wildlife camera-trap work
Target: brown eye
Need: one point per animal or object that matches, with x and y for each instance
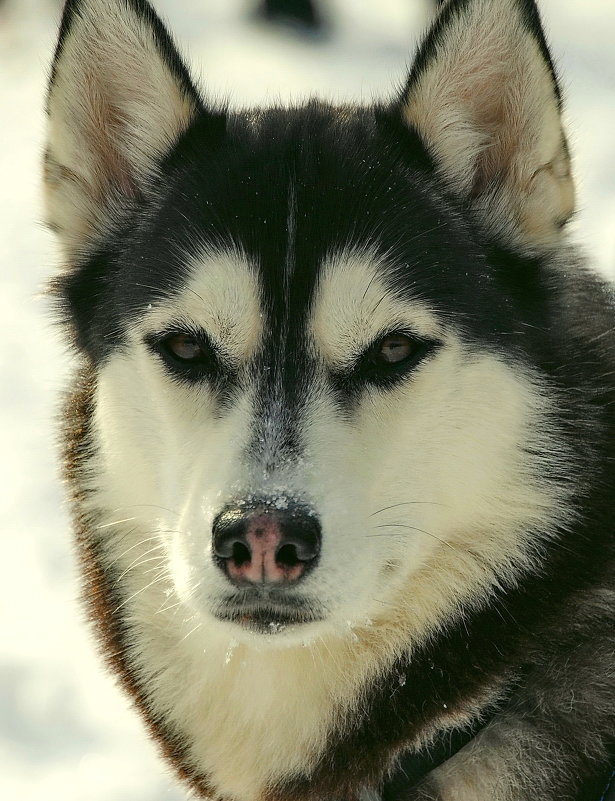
(184, 347)
(395, 348)
(391, 358)
(186, 355)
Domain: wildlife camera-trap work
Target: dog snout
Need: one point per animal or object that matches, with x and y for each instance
(265, 545)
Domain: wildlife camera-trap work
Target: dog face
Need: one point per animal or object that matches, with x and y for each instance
(302, 406)
(301, 414)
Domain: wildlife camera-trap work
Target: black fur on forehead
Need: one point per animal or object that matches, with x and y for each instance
(357, 178)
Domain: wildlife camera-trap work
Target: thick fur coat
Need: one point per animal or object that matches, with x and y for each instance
(341, 445)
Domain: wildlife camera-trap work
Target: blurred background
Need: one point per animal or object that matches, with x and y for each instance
(66, 732)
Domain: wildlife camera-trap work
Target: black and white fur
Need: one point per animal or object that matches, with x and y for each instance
(462, 579)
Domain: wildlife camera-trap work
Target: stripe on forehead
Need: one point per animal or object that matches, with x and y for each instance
(285, 368)
(291, 229)
(280, 331)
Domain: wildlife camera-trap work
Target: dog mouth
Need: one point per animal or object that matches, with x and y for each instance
(266, 616)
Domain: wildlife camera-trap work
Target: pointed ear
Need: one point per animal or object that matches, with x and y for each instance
(483, 97)
(119, 98)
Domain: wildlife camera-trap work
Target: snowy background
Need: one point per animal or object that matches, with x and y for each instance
(66, 733)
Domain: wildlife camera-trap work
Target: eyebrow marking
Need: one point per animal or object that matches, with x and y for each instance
(354, 305)
(222, 296)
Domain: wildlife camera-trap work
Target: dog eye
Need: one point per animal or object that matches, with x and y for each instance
(394, 348)
(391, 357)
(184, 347)
(186, 355)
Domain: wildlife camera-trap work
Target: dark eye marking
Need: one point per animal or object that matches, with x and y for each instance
(187, 354)
(391, 357)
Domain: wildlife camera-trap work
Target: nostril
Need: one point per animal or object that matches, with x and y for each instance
(300, 539)
(229, 537)
(224, 546)
(287, 556)
(240, 554)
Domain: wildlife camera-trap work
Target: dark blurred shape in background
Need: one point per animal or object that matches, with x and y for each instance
(305, 14)
(295, 12)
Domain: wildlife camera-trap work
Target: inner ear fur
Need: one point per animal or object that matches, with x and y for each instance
(119, 98)
(483, 96)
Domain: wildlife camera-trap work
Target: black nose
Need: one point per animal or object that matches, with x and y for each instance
(262, 544)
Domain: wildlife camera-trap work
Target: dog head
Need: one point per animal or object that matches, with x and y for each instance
(311, 328)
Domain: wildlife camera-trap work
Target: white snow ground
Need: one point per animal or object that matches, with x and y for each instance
(66, 733)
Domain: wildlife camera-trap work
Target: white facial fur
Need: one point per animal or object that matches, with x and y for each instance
(425, 498)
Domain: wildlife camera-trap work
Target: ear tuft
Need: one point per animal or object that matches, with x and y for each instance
(484, 98)
(119, 98)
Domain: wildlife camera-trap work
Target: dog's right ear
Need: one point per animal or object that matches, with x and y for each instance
(119, 98)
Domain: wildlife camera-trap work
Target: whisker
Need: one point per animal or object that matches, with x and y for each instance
(421, 234)
(136, 545)
(155, 580)
(143, 541)
(405, 503)
(115, 523)
(149, 550)
(371, 281)
(198, 626)
(130, 507)
(151, 569)
(152, 506)
(333, 658)
(414, 528)
(168, 608)
(139, 563)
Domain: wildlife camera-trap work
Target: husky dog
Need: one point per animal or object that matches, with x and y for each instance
(341, 446)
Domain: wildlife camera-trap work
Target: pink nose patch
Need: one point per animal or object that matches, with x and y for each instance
(269, 561)
(264, 545)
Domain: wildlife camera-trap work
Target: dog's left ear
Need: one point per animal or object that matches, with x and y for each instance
(483, 96)
(119, 98)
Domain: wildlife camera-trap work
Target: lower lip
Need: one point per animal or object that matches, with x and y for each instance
(266, 623)
(262, 627)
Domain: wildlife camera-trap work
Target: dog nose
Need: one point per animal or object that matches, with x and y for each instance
(265, 545)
